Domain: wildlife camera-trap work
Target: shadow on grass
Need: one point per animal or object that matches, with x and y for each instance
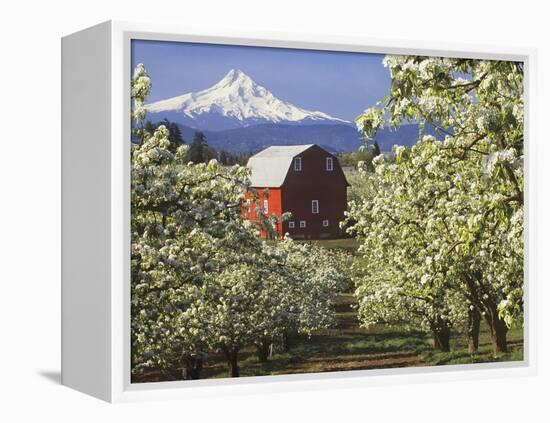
(348, 347)
(322, 353)
(383, 349)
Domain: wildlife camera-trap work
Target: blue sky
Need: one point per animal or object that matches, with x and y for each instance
(341, 84)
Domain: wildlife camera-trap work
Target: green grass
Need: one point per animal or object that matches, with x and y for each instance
(349, 347)
(350, 244)
(459, 352)
(383, 348)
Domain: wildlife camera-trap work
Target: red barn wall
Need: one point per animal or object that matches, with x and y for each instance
(314, 182)
(274, 198)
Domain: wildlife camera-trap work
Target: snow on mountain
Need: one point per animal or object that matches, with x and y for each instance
(235, 101)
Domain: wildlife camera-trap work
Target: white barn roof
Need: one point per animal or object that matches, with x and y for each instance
(270, 166)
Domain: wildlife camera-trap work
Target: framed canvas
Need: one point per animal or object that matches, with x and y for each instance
(269, 212)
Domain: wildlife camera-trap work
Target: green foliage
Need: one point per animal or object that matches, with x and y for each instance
(227, 158)
(199, 151)
(362, 158)
(174, 133)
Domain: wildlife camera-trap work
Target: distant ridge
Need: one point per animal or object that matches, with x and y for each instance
(333, 137)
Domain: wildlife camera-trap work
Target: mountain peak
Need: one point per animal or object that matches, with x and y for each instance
(235, 74)
(234, 101)
(235, 77)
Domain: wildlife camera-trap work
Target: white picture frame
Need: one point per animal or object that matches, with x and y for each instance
(96, 215)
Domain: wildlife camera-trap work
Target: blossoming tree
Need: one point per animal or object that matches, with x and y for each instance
(444, 219)
(202, 280)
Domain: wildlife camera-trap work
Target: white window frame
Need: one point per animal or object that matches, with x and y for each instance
(302, 223)
(297, 164)
(266, 206)
(331, 161)
(291, 224)
(314, 206)
(325, 223)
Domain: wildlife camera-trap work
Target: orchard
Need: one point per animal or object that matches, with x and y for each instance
(435, 239)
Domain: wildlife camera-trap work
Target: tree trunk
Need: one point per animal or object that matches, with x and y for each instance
(192, 367)
(263, 350)
(487, 304)
(442, 335)
(285, 342)
(498, 331)
(474, 320)
(442, 339)
(232, 357)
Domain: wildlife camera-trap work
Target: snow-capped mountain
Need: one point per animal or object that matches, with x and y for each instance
(235, 101)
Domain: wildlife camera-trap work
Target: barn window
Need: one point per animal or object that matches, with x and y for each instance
(325, 223)
(266, 203)
(302, 223)
(315, 206)
(329, 164)
(297, 164)
(291, 224)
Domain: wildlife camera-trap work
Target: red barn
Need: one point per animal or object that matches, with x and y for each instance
(306, 181)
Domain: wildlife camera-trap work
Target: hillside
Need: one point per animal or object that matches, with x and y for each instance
(335, 137)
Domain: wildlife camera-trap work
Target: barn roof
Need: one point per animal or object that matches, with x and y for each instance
(270, 166)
